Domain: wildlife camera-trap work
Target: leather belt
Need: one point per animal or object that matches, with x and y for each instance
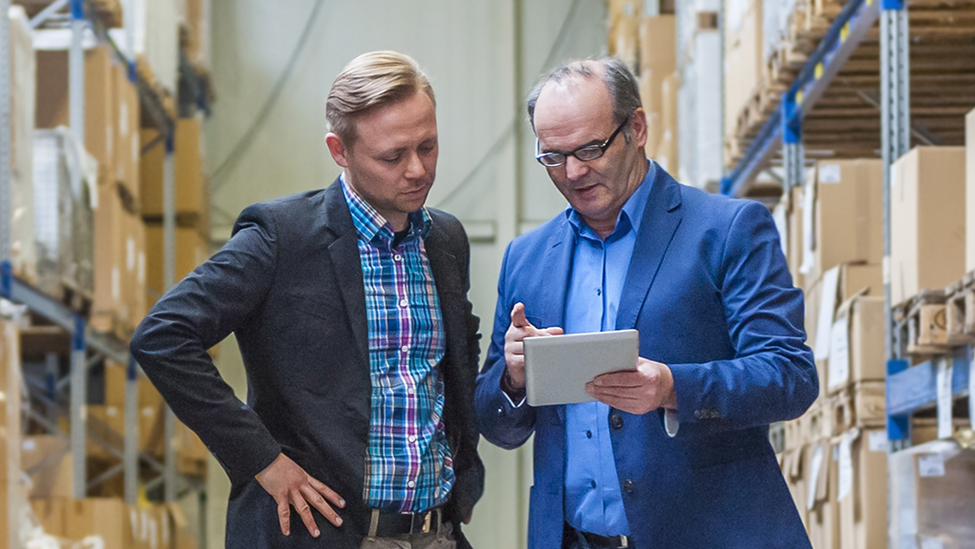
(390, 525)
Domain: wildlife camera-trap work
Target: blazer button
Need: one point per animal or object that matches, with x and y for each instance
(628, 486)
(500, 411)
(697, 414)
(616, 421)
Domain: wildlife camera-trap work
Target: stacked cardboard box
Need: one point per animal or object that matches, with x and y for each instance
(23, 246)
(970, 192)
(666, 154)
(192, 208)
(927, 221)
(197, 32)
(624, 28)
(743, 58)
(658, 62)
(10, 491)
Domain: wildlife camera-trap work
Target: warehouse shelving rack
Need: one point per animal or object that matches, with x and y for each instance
(87, 346)
(945, 378)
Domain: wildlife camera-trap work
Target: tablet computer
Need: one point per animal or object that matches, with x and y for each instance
(557, 368)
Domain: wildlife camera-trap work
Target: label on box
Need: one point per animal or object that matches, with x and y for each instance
(931, 543)
(839, 353)
(782, 226)
(827, 308)
(817, 464)
(135, 151)
(116, 284)
(829, 174)
(808, 236)
(877, 441)
(945, 425)
(931, 465)
(30, 445)
(846, 466)
(130, 256)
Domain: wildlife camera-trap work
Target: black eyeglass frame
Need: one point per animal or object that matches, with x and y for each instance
(565, 156)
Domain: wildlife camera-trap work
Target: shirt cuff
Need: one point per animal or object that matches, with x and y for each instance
(671, 423)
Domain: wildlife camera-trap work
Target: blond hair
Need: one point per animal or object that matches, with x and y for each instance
(372, 80)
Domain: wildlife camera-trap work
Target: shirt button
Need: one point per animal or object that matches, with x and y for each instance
(412, 438)
(599, 291)
(592, 483)
(411, 391)
(628, 486)
(588, 434)
(405, 348)
(411, 484)
(403, 303)
(398, 257)
(615, 421)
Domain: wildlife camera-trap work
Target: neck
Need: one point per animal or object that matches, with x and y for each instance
(605, 227)
(400, 222)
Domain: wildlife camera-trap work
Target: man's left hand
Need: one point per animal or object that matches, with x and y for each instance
(639, 391)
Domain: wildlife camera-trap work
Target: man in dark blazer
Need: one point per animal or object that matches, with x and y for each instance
(350, 308)
(675, 453)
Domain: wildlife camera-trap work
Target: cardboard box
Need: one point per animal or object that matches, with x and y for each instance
(191, 191)
(23, 80)
(743, 58)
(96, 517)
(823, 515)
(10, 489)
(847, 224)
(47, 460)
(50, 515)
(666, 154)
(932, 495)
(927, 213)
(658, 60)
(127, 119)
(624, 40)
(191, 251)
(114, 261)
(970, 192)
(857, 343)
(862, 486)
(53, 104)
(134, 286)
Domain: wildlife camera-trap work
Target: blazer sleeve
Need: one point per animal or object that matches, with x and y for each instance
(772, 376)
(204, 308)
(500, 422)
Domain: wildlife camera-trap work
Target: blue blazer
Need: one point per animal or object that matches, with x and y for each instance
(709, 291)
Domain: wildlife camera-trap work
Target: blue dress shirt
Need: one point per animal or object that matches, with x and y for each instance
(593, 500)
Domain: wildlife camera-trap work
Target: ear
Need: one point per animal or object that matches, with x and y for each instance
(640, 128)
(337, 149)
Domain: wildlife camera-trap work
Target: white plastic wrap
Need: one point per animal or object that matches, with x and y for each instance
(155, 31)
(23, 80)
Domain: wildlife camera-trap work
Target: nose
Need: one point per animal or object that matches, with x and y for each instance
(414, 167)
(575, 168)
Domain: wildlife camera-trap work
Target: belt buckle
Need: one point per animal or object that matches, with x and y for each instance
(426, 522)
(624, 541)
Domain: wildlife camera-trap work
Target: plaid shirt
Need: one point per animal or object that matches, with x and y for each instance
(408, 465)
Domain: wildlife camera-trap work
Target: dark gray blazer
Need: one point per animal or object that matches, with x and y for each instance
(289, 285)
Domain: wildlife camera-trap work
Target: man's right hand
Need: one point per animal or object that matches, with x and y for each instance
(514, 346)
(290, 485)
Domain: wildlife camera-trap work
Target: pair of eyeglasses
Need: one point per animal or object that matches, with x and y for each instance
(585, 153)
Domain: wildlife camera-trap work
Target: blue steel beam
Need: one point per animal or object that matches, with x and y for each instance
(915, 389)
(826, 61)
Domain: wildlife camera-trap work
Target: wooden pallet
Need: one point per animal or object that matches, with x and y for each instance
(921, 324)
(845, 122)
(960, 311)
(862, 404)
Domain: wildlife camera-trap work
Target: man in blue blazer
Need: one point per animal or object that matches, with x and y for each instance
(675, 453)
(350, 309)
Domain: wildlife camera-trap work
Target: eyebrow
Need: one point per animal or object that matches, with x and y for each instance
(590, 143)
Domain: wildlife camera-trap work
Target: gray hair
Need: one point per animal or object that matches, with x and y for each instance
(619, 80)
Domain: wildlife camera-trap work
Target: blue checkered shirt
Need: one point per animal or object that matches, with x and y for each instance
(408, 464)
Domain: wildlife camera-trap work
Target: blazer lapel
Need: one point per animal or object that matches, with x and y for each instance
(346, 265)
(661, 218)
(551, 297)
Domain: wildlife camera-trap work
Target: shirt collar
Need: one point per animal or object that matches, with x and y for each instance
(631, 215)
(369, 223)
